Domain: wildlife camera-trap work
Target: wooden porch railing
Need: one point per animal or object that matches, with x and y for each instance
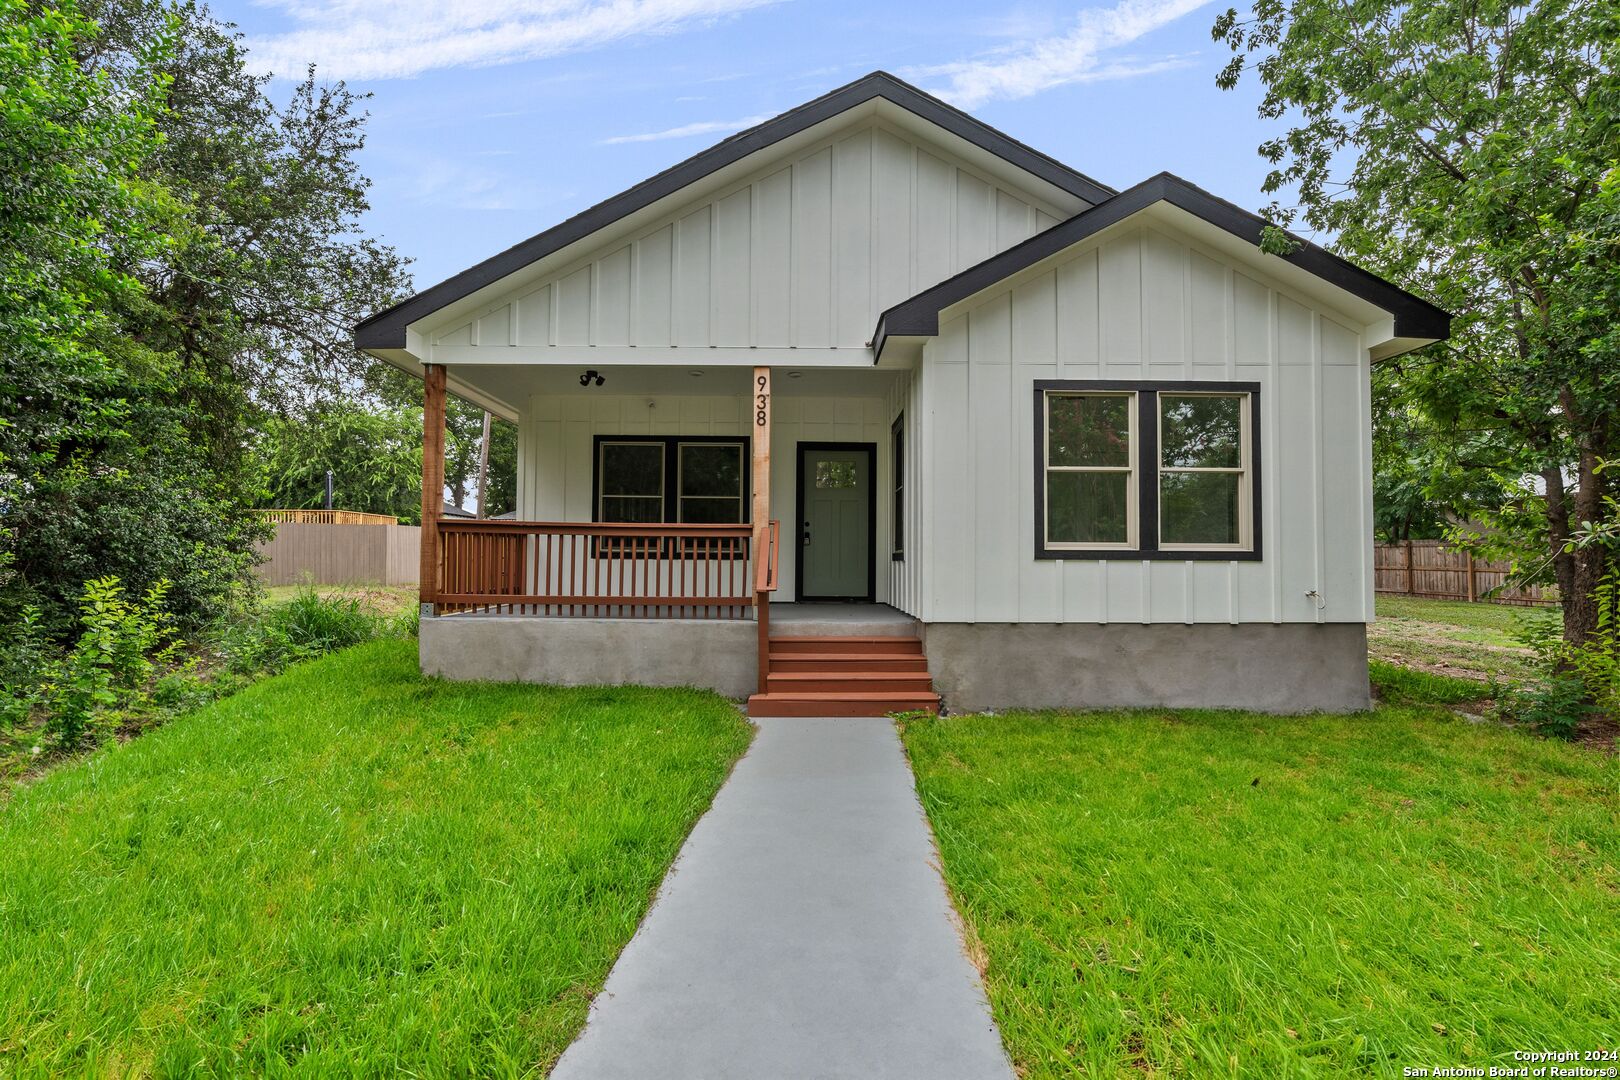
(593, 569)
(325, 517)
(764, 585)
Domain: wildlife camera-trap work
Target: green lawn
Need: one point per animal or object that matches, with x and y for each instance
(345, 870)
(1450, 637)
(1215, 894)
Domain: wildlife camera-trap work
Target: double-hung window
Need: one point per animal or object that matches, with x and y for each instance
(687, 479)
(1150, 470)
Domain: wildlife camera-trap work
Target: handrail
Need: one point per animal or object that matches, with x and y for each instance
(765, 568)
(611, 569)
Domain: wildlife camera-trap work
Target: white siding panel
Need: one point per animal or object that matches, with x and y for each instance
(1013, 220)
(936, 220)
(655, 254)
(573, 313)
(612, 303)
(772, 267)
(812, 250)
(975, 220)
(1119, 304)
(534, 318)
(852, 226)
(729, 299)
(891, 215)
(495, 329)
(690, 306)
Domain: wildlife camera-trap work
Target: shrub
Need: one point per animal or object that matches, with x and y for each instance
(111, 671)
(306, 626)
(1578, 681)
(26, 655)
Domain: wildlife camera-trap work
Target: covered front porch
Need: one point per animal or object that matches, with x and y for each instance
(660, 513)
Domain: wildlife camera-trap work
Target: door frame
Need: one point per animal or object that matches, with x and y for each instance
(871, 517)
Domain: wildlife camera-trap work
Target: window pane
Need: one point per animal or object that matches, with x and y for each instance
(711, 469)
(632, 469)
(835, 474)
(707, 511)
(1201, 432)
(1089, 430)
(1199, 508)
(1086, 508)
(632, 508)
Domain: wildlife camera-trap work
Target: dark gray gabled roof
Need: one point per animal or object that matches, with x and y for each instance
(386, 329)
(919, 316)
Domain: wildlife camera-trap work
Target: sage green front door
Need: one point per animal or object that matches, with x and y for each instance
(835, 530)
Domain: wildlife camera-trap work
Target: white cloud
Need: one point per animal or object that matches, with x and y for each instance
(701, 127)
(390, 39)
(1074, 57)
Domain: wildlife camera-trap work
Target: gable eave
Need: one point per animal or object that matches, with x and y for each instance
(1413, 321)
(386, 330)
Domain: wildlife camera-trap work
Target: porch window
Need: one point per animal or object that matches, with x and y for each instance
(1147, 470)
(695, 480)
(711, 484)
(630, 480)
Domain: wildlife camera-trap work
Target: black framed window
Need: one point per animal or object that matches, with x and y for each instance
(692, 479)
(897, 437)
(1147, 470)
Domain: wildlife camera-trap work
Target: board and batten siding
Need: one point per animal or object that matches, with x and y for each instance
(1144, 305)
(805, 254)
(557, 434)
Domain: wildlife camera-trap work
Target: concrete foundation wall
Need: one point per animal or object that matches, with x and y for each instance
(712, 655)
(1264, 667)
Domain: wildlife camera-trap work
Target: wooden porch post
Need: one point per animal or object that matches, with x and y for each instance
(761, 410)
(432, 478)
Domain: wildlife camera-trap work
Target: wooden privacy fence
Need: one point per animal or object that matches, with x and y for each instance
(1428, 569)
(325, 517)
(594, 569)
(327, 554)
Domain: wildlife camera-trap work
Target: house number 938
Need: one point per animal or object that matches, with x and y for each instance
(762, 400)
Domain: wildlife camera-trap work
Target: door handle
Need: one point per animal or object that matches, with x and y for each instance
(806, 534)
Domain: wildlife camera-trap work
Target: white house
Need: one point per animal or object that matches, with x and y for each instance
(871, 403)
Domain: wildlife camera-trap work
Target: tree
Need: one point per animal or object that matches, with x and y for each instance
(1470, 151)
(374, 454)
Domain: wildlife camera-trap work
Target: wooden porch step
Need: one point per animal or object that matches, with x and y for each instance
(840, 703)
(838, 662)
(869, 646)
(848, 682)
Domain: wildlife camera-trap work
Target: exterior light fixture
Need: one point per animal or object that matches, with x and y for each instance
(591, 376)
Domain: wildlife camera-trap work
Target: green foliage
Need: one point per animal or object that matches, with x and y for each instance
(26, 653)
(1406, 686)
(306, 626)
(1472, 153)
(375, 456)
(110, 673)
(347, 870)
(1579, 680)
(1209, 894)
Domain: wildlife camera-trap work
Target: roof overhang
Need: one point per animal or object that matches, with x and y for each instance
(1396, 321)
(878, 94)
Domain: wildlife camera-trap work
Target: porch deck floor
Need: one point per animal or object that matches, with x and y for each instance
(840, 620)
(804, 931)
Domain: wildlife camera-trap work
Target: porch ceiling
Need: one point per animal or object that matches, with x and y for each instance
(515, 384)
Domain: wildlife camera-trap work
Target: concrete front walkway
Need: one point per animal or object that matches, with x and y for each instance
(802, 933)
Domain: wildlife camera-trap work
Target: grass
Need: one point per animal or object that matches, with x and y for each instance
(384, 600)
(346, 869)
(1450, 637)
(1220, 894)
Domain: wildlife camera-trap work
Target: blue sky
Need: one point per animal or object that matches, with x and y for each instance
(494, 119)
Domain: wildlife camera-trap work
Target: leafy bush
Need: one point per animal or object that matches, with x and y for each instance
(25, 655)
(112, 670)
(1578, 681)
(306, 626)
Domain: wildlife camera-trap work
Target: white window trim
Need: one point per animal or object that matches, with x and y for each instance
(1244, 471)
(1132, 473)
